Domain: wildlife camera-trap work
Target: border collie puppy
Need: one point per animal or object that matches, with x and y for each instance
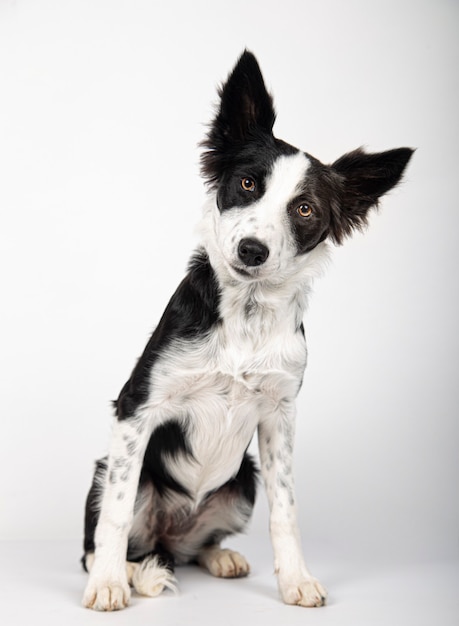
(227, 359)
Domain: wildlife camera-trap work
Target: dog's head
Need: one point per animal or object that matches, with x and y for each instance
(274, 204)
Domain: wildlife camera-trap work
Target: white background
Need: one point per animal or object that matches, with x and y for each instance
(102, 105)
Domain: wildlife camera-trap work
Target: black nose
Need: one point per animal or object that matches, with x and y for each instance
(252, 252)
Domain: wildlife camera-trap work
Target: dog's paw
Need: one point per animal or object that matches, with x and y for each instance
(224, 563)
(306, 593)
(106, 596)
(150, 578)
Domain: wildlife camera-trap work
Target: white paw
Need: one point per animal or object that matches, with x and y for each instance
(150, 578)
(306, 593)
(106, 596)
(224, 563)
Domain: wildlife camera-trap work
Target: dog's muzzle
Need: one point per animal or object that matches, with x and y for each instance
(252, 252)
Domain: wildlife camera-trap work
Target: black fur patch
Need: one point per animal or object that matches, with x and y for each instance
(254, 160)
(167, 442)
(245, 482)
(191, 312)
(364, 179)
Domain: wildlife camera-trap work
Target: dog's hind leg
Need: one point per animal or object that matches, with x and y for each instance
(227, 512)
(223, 563)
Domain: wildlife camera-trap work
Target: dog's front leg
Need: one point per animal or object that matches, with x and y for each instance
(275, 436)
(107, 588)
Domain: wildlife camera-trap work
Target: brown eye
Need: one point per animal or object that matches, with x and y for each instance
(248, 184)
(304, 210)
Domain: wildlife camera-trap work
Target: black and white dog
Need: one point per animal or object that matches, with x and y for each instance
(226, 360)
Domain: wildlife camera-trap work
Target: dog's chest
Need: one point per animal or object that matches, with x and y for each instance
(219, 387)
(229, 369)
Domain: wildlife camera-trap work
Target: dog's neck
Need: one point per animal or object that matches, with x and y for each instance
(259, 307)
(262, 305)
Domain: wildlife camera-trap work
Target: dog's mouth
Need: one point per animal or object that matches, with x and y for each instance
(241, 272)
(246, 273)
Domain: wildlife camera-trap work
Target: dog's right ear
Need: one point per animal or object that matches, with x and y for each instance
(245, 109)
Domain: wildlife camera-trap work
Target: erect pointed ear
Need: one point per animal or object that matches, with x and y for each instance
(364, 179)
(245, 108)
(245, 104)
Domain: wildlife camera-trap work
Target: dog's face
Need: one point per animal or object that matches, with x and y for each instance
(270, 209)
(275, 203)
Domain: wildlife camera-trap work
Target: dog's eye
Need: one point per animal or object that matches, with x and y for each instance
(247, 184)
(304, 210)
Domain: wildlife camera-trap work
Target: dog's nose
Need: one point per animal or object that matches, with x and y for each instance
(252, 252)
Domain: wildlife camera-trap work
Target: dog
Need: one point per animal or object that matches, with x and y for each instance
(227, 359)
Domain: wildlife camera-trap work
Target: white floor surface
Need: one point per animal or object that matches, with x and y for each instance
(41, 583)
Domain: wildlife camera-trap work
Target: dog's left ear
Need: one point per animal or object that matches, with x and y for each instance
(245, 109)
(364, 179)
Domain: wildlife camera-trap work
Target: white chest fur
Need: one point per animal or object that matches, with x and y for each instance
(220, 386)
